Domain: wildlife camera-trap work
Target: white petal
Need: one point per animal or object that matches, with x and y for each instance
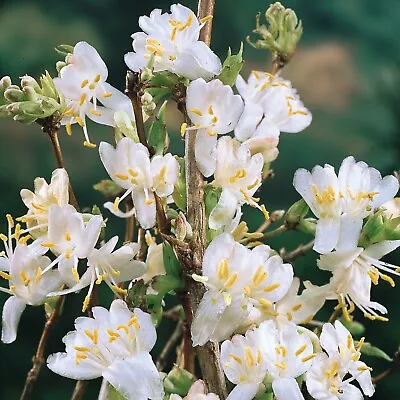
(136, 378)
(12, 311)
(338, 259)
(286, 388)
(248, 121)
(205, 152)
(350, 229)
(378, 250)
(243, 392)
(364, 379)
(110, 207)
(326, 235)
(350, 392)
(86, 56)
(387, 188)
(145, 210)
(224, 211)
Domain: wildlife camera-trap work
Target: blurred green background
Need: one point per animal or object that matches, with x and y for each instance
(346, 71)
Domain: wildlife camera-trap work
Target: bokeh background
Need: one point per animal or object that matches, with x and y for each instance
(346, 71)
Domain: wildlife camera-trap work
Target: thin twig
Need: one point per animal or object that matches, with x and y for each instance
(173, 313)
(130, 224)
(79, 391)
(38, 359)
(273, 217)
(395, 365)
(141, 255)
(299, 251)
(176, 334)
(266, 235)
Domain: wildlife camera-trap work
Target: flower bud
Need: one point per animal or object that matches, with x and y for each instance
(147, 98)
(13, 94)
(124, 126)
(178, 381)
(27, 80)
(5, 82)
(29, 93)
(183, 230)
(296, 212)
(60, 65)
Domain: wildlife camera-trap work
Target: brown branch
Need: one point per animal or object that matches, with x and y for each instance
(130, 224)
(299, 251)
(176, 334)
(395, 365)
(141, 255)
(79, 391)
(38, 359)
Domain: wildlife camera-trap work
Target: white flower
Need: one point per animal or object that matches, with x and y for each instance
(244, 365)
(325, 378)
(237, 280)
(173, 39)
(112, 267)
(22, 267)
(196, 392)
(238, 174)
(354, 270)
(341, 202)
(271, 106)
(288, 354)
(392, 208)
(154, 260)
(129, 166)
(292, 308)
(70, 239)
(44, 196)
(114, 344)
(83, 83)
(214, 110)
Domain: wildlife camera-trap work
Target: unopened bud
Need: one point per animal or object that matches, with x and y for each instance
(178, 381)
(29, 93)
(276, 215)
(60, 65)
(13, 94)
(27, 80)
(296, 212)
(146, 98)
(183, 230)
(124, 126)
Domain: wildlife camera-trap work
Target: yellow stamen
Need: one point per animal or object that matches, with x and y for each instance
(148, 202)
(4, 275)
(38, 275)
(116, 204)
(75, 274)
(47, 244)
(259, 276)
(206, 19)
(99, 279)
(300, 350)
(265, 302)
(68, 254)
(85, 305)
(210, 110)
(84, 83)
(214, 119)
(364, 368)
(264, 211)
(81, 348)
(80, 356)
(122, 176)
(24, 278)
(82, 100)
(88, 144)
(349, 342)
(173, 33)
(124, 327)
(272, 287)
(236, 358)
(10, 220)
(106, 94)
(253, 185)
(134, 321)
(256, 74)
(119, 290)
(281, 365)
(296, 307)
(387, 278)
(196, 111)
(247, 290)
(95, 112)
(281, 350)
(3, 237)
(360, 343)
(183, 129)
(67, 236)
(97, 78)
(223, 269)
(231, 280)
(308, 358)
(249, 357)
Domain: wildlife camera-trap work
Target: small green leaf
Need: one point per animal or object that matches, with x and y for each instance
(158, 137)
(113, 394)
(108, 188)
(355, 328)
(231, 67)
(211, 198)
(178, 381)
(137, 295)
(64, 49)
(164, 284)
(179, 194)
(372, 351)
(172, 265)
(159, 94)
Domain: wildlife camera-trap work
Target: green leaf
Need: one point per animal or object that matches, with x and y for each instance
(113, 394)
(164, 284)
(136, 296)
(231, 67)
(355, 328)
(178, 381)
(64, 49)
(158, 137)
(159, 93)
(372, 351)
(108, 188)
(171, 263)
(211, 198)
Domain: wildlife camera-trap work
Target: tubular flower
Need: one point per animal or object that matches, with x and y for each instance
(83, 83)
(114, 344)
(214, 110)
(22, 265)
(237, 280)
(244, 365)
(129, 166)
(343, 359)
(354, 270)
(341, 202)
(112, 267)
(196, 392)
(288, 354)
(44, 196)
(173, 39)
(238, 174)
(292, 308)
(70, 239)
(271, 106)
(154, 260)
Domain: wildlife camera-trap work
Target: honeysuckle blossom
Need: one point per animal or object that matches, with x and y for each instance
(214, 110)
(237, 279)
(154, 260)
(21, 265)
(112, 267)
(70, 239)
(238, 174)
(353, 272)
(288, 354)
(341, 202)
(115, 344)
(292, 308)
(173, 39)
(196, 392)
(83, 83)
(129, 166)
(244, 365)
(271, 106)
(44, 196)
(325, 378)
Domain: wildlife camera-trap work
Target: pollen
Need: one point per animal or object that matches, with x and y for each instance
(256, 74)
(24, 278)
(95, 112)
(121, 176)
(296, 307)
(264, 211)
(116, 204)
(132, 172)
(97, 78)
(308, 358)
(214, 119)
(47, 244)
(82, 99)
(300, 350)
(231, 280)
(99, 279)
(4, 275)
(327, 196)
(79, 121)
(183, 129)
(67, 236)
(79, 357)
(223, 270)
(149, 202)
(249, 357)
(68, 129)
(94, 337)
(84, 83)
(272, 287)
(106, 94)
(247, 290)
(75, 275)
(10, 220)
(85, 304)
(134, 321)
(265, 302)
(119, 290)
(349, 342)
(3, 237)
(38, 275)
(253, 185)
(388, 279)
(236, 358)
(196, 111)
(210, 110)
(259, 276)
(88, 144)
(281, 365)
(206, 19)
(281, 350)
